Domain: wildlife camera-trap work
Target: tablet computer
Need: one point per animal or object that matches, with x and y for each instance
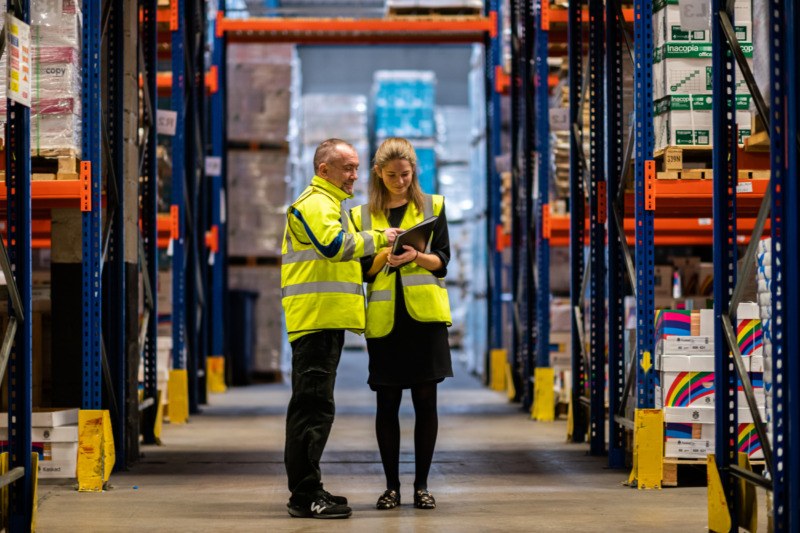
(416, 236)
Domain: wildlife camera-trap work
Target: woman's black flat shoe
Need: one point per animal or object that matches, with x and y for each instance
(424, 500)
(388, 500)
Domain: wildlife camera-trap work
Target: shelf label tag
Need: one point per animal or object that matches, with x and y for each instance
(559, 119)
(744, 187)
(695, 15)
(703, 221)
(18, 45)
(213, 165)
(166, 121)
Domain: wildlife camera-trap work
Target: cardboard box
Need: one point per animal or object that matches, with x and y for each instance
(43, 418)
(685, 69)
(698, 440)
(662, 275)
(702, 415)
(687, 120)
(707, 323)
(48, 434)
(685, 345)
(685, 389)
(670, 322)
(667, 24)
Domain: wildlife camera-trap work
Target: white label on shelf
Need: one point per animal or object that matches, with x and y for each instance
(213, 165)
(703, 221)
(745, 186)
(223, 213)
(166, 121)
(169, 247)
(18, 46)
(695, 14)
(211, 259)
(559, 119)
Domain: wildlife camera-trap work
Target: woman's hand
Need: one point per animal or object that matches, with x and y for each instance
(409, 254)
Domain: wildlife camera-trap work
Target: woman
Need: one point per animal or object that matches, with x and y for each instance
(407, 315)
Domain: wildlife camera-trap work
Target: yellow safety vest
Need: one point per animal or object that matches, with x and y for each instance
(425, 295)
(321, 279)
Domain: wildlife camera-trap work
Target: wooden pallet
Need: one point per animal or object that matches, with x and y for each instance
(437, 12)
(52, 168)
(683, 158)
(669, 477)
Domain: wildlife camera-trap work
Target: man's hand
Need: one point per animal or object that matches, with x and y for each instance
(392, 233)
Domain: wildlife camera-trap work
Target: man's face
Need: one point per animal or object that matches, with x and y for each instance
(342, 170)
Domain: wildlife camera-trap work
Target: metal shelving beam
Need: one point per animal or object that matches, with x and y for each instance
(20, 367)
(91, 171)
(542, 140)
(725, 256)
(644, 203)
(615, 128)
(116, 294)
(494, 229)
(178, 199)
(148, 256)
(597, 249)
(526, 304)
(215, 299)
(577, 212)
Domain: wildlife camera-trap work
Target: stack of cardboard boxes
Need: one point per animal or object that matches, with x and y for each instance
(54, 435)
(682, 85)
(56, 79)
(686, 384)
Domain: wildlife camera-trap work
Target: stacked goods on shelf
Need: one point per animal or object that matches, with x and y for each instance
(761, 366)
(475, 346)
(396, 8)
(257, 196)
(56, 81)
(341, 116)
(403, 104)
(685, 388)
(264, 96)
(261, 80)
(682, 85)
(761, 61)
(268, 314)
(54, 436)
(454, 183)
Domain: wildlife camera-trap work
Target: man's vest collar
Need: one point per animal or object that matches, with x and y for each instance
(330, 188)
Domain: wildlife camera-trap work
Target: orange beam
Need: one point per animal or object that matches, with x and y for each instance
(692, 198)
(432, 29)
(162, 15)
(562, 15)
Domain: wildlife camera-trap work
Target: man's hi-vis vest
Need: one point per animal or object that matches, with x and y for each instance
(425, 294)
(322, 284)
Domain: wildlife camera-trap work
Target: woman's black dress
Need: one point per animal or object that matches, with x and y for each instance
(413, 352)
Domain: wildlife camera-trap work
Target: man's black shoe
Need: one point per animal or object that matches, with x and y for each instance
(321, 507)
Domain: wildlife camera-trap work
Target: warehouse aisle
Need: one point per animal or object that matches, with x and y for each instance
(494, 470)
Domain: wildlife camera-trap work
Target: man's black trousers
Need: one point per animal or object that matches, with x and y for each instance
(309, 417)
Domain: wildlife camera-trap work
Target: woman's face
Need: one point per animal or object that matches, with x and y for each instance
(396, 176)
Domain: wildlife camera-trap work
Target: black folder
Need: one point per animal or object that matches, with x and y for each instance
(417, 236)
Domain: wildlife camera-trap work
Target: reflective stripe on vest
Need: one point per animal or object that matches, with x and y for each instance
(422, 279)
(317, 287)
(380, 296)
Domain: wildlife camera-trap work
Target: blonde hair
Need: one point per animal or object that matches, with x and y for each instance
(390, 150)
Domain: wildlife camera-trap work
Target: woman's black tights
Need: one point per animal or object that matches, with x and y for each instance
(387, 428)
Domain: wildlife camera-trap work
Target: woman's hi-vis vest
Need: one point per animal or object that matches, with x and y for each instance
(318, 292)
(425, 294)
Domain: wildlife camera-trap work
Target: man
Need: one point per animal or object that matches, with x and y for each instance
(322, 295)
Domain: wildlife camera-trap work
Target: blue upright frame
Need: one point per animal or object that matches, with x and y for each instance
(577, 212)
(784, 16)
(494, 121)
(541, 109)
(91, 223)
(518, 332)
(116, 294)
(149, 213)
(645, 303)
(216, 301)
(725, 256)
(178, 183)
(597, 253)
(616, 271)
(18, 176)
(526, 304)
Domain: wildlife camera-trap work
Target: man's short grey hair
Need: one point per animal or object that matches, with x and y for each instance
(327, 151)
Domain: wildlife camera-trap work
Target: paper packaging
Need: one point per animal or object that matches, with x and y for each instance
(685, 346)
(707, 323)
(44, 418)
(698, 440)
(686, 120)
(667, 23)
(748, 330)
(703, 415)
(685, 68)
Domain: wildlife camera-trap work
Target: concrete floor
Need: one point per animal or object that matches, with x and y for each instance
(494, 470)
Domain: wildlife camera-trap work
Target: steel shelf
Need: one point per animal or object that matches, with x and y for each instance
(461, 30)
